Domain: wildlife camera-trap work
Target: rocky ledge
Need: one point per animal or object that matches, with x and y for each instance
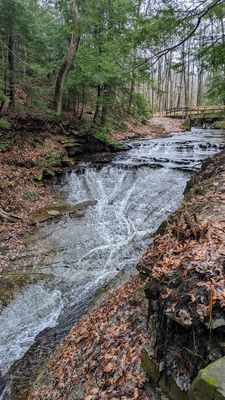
(185, 287)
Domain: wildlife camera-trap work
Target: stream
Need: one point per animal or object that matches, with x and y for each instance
(76, 257)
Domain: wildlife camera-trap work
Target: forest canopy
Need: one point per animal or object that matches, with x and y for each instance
(110, 58)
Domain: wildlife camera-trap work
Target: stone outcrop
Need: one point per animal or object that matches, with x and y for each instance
(210, 382)
(185, 289)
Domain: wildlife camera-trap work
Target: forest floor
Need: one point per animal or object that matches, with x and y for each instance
(100, 357)
(26, 158)
(157, 127)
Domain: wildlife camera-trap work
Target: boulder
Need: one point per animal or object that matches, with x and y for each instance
(210, 382)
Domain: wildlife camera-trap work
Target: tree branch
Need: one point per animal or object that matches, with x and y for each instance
(165, 51)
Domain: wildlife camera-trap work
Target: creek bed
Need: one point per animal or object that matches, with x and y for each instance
(77, 256)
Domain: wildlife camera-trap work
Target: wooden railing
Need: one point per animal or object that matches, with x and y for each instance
(201, 111)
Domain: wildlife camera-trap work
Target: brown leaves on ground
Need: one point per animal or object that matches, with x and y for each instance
(10, 243)
(186, 266)
(24, 157)
(156, 127)
(100, 358)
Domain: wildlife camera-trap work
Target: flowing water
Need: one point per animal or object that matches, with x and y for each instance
(78, 256)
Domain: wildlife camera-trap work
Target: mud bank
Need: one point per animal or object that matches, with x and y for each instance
(185, 289)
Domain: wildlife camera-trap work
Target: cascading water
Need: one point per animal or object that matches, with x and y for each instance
(134, 193)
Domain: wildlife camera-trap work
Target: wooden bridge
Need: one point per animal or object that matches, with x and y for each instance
(201, 113)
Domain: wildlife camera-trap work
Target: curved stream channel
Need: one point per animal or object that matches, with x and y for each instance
(78, 256)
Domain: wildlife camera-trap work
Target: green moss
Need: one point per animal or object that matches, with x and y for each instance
(5, 124)
(211, 380)
(30, 196)
(3, 184)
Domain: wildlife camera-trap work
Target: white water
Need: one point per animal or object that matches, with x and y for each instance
(33, 304)
(82, 254)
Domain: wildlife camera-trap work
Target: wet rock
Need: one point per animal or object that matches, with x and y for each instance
(127, 146)
(210, 382)
(53, 213)
(60, 209)
(162, 228)
(12, 283)
(222, 346)
(166, 383)
(218, 125)
(216, 322)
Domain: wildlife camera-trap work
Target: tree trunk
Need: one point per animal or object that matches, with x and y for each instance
(159, 93)
(11, 72)
(105, 104)
(131, 96)
(179, 90)
(97, 107)
(83, 100)
(69, 59)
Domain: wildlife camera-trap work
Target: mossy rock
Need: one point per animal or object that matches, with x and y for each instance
(210, 382)
(60, 209)
(10, 284)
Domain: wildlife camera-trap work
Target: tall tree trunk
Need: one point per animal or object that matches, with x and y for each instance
(106, 103)
(97, 107)
(69, 59)
(131, 95)
(4, 63)
(11, 72)
(82, 102)
(159, 93)
(180, 89)
(199, 90)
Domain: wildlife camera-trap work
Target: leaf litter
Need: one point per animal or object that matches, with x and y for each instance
(100, 358)
(185, 272)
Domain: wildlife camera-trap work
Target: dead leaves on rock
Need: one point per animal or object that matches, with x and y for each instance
(186, 266)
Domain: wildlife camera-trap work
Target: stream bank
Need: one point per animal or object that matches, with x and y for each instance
(100, 358)
(78, 255)
(31, 160)
(186, 291)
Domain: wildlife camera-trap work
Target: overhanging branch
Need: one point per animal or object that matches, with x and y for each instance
(155, 57)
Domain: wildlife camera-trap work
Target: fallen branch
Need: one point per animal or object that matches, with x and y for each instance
(10, 217)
